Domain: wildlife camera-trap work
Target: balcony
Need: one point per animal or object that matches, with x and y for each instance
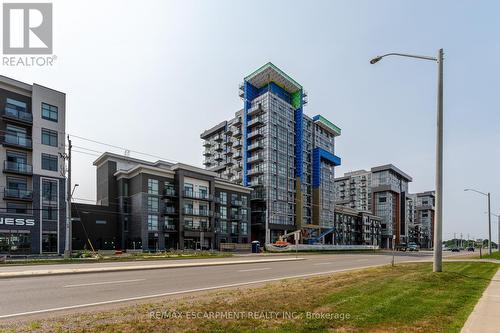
(255, 158)
(229, 161)
(236, 203)
(15, 140)
(197, 212)
(257, 182)
(18, 116)
(169, 192)
(17, 194)
(205, 227)
(258, 195)
(255, 110)
(206, 144)
(237, 143)
(16, 167)
(207, 163)
(237, 133)
(238, 167)
(169, 210)
(207, 153)
(219, 157)
(256, 122)
(219, 138)
(256, 134)
(219, 148)
(255, 171)
(169, 227)
(197, 195)
(256, 145)
(237, 155)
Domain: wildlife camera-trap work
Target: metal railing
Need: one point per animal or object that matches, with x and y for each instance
(17, 140)
(18, 115)
(18, 167)
(17, 193)
(197, 195)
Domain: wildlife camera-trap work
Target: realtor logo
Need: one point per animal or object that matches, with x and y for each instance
(27, 28)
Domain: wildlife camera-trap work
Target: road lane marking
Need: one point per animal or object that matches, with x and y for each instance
(253, 269)
(136, 298)
(99, 283)
(323, 263)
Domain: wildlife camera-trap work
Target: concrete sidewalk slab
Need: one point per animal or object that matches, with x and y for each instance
(59, 271)
(485, 317)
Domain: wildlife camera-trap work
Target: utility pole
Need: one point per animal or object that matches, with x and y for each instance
(489, 224)
(68, 247)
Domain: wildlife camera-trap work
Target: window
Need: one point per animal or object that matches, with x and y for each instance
(49, 137)
(223, 198)
(17, 208)
(382, 199)
(244, 228)
(153, 186)
(152, 222)
(244, 200)
(49, 112)
(188, 189)
(49, 162)
(223, 212)
(49, 200)
(223, 227)
(49, 213)
(49, 190)
(203, 192)
(153, 204)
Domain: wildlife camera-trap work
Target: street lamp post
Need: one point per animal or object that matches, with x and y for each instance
(438, 223)
(488, 195)
(498, 239)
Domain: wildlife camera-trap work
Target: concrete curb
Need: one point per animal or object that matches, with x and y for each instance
(63, 271)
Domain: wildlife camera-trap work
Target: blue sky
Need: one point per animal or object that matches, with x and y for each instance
(142, 74)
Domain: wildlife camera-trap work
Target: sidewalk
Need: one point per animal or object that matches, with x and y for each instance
(28, 271)
(485, 317)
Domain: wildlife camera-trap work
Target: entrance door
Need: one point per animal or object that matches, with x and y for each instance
(49, 243)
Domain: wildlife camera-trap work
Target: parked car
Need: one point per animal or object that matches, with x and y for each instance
(413, 247)
(401, 247)
(455, 249)
(470, 249)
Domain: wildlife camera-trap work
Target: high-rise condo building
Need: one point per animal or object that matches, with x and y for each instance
(287, 157)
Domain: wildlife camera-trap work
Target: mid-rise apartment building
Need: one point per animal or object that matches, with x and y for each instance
(33, 210)
(287, 157)
(422, 226)
(162, 205)
(354, 227)
(383, 191)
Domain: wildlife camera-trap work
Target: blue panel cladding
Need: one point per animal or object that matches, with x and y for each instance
(299, 139)
(277, 90)
(250, 92)
(318, 155)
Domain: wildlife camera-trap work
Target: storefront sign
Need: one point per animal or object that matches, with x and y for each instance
(17, 221)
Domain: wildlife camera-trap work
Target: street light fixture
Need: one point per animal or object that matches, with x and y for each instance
(438, 223)
(489, 214)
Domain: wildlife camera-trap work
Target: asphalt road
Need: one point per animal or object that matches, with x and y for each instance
(45, 295)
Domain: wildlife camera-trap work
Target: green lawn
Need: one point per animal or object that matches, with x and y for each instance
(135, 257)
(494, 255)
(406, 298)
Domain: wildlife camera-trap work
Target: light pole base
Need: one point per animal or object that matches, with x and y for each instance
(67, 254)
